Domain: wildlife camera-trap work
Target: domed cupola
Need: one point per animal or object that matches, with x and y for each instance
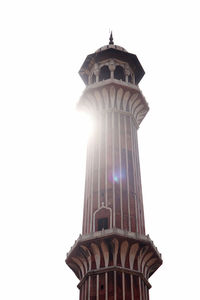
(111, 62)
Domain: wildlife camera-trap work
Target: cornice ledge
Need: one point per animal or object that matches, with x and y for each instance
(114, 232)
(113, 81)
(114, 94)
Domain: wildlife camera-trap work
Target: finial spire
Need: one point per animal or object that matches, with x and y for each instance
(111, 39)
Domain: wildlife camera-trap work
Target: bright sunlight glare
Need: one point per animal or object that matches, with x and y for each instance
(84, 125)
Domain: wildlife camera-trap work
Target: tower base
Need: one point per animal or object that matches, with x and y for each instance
(114, 264)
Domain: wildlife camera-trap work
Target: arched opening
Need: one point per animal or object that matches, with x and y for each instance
(119, 73)
(130, 79)
(93, 79)
(104, 73)
(102, 219)
(102, 223)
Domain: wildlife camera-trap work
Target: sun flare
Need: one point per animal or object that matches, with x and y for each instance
(85, 126)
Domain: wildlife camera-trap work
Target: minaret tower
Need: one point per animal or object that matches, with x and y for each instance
(113, 258)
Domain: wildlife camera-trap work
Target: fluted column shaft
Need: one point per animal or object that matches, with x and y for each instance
(113, 183)
(113, 261)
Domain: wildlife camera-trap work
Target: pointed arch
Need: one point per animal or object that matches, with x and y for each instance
(119, 73)
(102, 218)
(104, 73)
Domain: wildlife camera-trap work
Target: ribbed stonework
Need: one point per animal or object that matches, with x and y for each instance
(113, 258)
(113, 184)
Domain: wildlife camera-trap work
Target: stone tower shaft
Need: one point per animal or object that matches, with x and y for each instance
(113, 184)
(113, 258)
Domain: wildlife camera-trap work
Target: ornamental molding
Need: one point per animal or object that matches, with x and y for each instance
(107, 249)
(114, 96)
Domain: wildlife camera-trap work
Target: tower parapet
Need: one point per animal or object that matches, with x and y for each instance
(113, 258)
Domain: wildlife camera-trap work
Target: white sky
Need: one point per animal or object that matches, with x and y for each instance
(42, 145)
